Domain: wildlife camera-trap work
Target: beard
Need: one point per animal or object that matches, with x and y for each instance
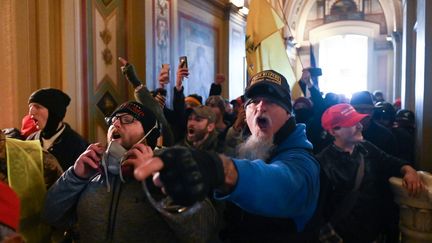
(256, 147)
(197, 135)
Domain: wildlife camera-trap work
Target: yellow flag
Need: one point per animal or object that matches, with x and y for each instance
(26, 176)
(264, 46)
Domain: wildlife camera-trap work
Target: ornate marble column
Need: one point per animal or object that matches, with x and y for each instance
(408, 55)
(423, 85)
(415, 212)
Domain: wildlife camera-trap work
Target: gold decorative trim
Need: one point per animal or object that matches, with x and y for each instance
(107, 56)
(106, 37)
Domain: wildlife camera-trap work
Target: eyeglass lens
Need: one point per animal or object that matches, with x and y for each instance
(124, 119)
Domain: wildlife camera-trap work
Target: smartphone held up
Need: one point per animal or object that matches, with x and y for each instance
(166, 66)
(164, 74)
(183, 62)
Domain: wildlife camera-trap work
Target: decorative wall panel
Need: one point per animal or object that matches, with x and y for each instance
(162, 37)
(104, 43)
(105, 48)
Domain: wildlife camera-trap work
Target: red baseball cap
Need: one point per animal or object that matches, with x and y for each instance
(9, 207)
(341, 115)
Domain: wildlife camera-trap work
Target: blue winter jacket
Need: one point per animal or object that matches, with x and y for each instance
(287, 186)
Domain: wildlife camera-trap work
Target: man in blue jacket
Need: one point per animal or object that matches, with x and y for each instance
(274, 180)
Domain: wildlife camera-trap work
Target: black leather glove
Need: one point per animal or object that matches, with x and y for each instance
(190, 175)
(129, 72)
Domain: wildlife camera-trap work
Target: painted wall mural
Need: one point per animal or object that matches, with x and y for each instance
(198, 41)
(162, 37)
(238, 77)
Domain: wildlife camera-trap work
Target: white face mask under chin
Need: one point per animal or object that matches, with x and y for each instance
(113, 157)
(111, 161)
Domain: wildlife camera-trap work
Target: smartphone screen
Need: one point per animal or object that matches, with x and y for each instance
(166, 66)
(166, 69)
(183, 62)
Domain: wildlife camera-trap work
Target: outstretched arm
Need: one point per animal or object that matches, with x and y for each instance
(156, 164)
(272, 190)
(143, 95)
(187, 175)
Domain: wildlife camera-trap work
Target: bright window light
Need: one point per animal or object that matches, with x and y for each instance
(343, 59)
(238, 3)
(244, 10)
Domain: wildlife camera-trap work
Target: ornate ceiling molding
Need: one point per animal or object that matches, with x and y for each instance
(297, 13)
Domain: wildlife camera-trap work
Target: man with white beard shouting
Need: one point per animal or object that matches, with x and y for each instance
(274, 180)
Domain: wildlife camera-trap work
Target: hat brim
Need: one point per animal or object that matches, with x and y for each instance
(353, 120)
(277, 101)
(189, 111)
(266, 88)
(363, 106)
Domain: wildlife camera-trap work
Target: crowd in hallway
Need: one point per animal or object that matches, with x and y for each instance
(268, 166)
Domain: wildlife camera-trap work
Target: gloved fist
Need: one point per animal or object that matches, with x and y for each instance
(190, 175)
(128, 71)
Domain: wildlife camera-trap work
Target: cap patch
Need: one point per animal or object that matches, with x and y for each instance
(266, 76)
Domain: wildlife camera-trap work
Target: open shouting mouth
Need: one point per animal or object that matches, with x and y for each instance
(262, 122)
(115, 135)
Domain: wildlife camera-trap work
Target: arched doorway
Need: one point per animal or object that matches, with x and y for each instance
(347, 44)
(345, 67)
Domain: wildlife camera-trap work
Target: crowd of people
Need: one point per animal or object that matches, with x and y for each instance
(263, 167)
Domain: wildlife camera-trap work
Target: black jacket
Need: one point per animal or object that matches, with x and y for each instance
(381, 137)
(67, 147)
(368, 216)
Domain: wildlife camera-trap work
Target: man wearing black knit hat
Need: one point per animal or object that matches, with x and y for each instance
(100, 194)
(47, 107)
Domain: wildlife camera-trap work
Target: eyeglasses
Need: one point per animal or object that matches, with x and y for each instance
(124, 119)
